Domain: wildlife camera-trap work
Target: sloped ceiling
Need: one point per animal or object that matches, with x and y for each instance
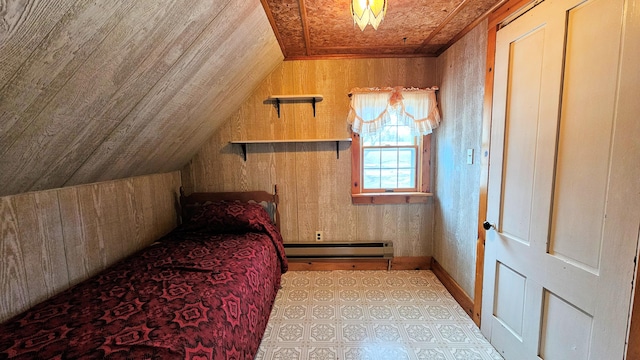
(99, 90)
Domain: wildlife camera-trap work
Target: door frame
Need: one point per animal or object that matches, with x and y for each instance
(496, 17)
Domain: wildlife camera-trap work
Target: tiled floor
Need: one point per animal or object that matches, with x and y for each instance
(329, 315)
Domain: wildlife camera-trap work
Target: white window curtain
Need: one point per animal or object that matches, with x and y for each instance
(371, 109)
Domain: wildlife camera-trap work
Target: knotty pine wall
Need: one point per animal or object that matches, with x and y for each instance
(456, 191)
(56, 238)
(314, 186)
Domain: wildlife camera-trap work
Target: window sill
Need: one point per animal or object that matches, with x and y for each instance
(390, 198)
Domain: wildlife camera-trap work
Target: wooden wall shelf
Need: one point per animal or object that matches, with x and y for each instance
(279, 99)
(244, 143)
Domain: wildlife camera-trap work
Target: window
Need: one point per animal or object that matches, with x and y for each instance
(390, 159)
(391, 153)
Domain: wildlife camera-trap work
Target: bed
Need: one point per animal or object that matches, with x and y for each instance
(204, 291)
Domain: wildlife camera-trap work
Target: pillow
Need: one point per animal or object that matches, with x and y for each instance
(227, 217)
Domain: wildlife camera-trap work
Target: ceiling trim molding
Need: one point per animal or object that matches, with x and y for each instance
(516, 14)
(470, 27)
(358, 56)
(510, 7)
(398, 47)
(305, 26)
(435, 32)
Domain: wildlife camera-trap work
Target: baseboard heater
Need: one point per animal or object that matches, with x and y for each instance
(339, 250)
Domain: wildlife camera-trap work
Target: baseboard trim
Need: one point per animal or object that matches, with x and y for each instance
(397, 263)
(453, 287)
(411, 263)
(327, 264)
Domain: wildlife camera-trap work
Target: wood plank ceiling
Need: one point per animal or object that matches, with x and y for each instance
(323, 29)
(100, 90)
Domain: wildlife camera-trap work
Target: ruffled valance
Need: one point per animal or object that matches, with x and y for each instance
(371, 109)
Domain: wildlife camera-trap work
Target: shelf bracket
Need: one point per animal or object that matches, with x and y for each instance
(313, 105)
(244, 151)
(278, 106)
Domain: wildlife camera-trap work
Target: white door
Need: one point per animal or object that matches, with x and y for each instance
(564, 181)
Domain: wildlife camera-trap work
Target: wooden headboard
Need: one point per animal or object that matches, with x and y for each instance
(244, 196)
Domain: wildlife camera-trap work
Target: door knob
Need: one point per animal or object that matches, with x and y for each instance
(487, 225)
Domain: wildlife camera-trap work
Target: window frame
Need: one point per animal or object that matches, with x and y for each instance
(358, 196)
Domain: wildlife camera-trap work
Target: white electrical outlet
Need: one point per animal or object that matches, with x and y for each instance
(318, 235)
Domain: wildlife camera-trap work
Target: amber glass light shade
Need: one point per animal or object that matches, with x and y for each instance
(368, 12)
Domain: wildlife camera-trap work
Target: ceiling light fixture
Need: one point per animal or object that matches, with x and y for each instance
(368, 12)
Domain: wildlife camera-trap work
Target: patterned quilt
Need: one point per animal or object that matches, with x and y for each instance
(197, 294)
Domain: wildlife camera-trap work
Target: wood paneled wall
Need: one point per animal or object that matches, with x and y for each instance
(54, 239)
(314, 186)
(456, 192)
(100, 90)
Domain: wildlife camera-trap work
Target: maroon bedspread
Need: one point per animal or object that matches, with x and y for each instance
(192, 296)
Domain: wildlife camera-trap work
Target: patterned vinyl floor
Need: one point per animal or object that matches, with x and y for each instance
(349, 315)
